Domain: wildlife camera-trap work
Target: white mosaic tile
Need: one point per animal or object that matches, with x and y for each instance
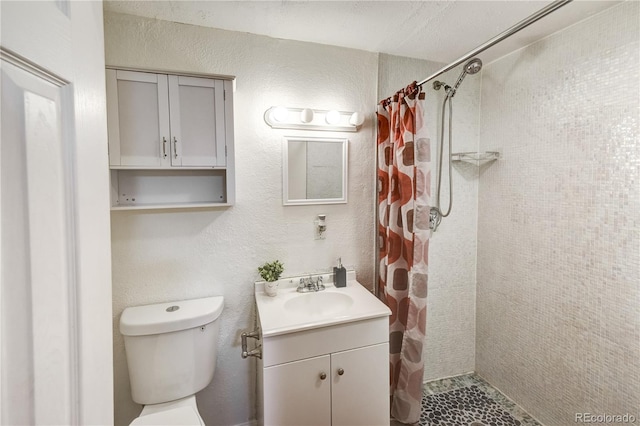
(558, 293)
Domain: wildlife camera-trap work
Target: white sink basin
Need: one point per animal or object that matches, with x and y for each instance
(290, 311)
(320, 303)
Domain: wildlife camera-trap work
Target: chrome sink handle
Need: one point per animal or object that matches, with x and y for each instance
(319, 285)
(310, 285)
(305, 286)
(301, 287)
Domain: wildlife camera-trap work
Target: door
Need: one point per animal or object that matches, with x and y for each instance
(35, 249)
(360, 386)
(138, 114)
(197, 121)
(55, 290)
(298, 393)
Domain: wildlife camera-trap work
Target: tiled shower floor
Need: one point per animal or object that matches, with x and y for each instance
(469, 401)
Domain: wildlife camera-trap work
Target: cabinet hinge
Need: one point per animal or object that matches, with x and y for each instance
(224, 95)
(225, 150)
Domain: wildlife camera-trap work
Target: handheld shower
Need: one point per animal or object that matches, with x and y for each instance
(436, 214)
(471, 67)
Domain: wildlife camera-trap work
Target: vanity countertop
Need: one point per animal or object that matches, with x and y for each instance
(282, 314)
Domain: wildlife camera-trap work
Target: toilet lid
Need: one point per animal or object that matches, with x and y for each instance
(183, 416)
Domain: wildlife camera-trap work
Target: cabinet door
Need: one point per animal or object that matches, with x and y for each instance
(360, 395)
(138, 119)
(295, 394)
(197, 121)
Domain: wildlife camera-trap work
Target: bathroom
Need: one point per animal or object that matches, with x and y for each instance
(534, 278)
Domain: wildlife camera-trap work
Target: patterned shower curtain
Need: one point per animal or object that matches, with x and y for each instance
(404, 176)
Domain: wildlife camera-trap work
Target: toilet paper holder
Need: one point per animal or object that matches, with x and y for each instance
(255, 352)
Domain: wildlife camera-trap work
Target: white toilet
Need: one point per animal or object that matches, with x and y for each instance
(171, 353)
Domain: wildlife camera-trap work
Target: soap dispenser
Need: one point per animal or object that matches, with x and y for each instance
(339, 275)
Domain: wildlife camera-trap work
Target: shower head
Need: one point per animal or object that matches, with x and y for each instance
(471, 67)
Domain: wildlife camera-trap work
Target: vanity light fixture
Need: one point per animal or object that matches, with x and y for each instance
(279, 117)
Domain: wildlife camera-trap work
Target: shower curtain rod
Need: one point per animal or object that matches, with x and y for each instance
(503, 35)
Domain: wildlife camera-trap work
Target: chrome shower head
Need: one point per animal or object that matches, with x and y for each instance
(471, 67)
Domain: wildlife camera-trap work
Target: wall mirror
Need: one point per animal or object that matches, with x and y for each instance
(314, 171)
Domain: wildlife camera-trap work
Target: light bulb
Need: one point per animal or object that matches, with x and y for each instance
(333, 117)
(306, 115)
(280, 114)
(356, 119)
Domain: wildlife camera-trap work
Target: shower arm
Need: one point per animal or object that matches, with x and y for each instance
(503, 35)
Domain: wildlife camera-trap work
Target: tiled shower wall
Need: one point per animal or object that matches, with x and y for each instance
(558, 294)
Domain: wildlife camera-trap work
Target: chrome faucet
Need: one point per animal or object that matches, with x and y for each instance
(308, 284)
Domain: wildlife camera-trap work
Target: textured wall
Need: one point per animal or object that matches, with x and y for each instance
(558, 298)
(450, 338)
(172, 255)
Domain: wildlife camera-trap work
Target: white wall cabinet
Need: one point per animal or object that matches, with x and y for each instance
(170, 140)
(196, 112)
(337, 375)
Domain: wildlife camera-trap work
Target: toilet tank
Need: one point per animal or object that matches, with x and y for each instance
(171, 348)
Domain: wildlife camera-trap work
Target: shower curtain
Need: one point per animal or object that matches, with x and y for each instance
(404, 177)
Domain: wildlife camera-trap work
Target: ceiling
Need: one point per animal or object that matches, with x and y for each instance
(440, 31)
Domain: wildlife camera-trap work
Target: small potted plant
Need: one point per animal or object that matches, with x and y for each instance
(270, 272)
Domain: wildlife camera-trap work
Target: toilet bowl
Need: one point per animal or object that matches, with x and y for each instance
(171, 355)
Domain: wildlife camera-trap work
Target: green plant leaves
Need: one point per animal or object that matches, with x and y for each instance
(271, 271)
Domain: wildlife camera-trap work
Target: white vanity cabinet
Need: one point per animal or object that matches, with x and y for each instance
(298, 392)
(323, 356)
(360, 386)
(336, 375)
(170, 140)
(340, 389)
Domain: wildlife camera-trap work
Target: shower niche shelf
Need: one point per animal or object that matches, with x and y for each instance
(477, 158)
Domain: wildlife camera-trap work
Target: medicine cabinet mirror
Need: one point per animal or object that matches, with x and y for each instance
(314, 171)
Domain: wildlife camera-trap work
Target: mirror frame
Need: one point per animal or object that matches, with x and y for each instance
(285, 171)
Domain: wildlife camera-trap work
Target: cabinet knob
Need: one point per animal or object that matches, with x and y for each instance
(323, 376)
(340, 371)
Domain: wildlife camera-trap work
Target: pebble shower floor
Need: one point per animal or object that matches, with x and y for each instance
(469, 401)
